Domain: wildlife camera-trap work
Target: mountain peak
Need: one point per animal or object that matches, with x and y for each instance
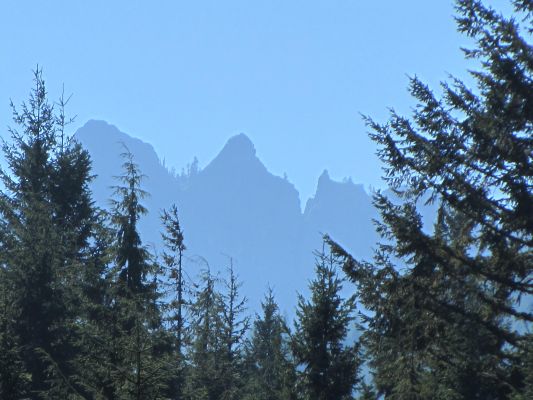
(324, 177)
(93, 131)
(99, 124)
(238, 146)
(236, 153)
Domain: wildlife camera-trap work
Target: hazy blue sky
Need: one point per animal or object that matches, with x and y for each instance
(187, 75)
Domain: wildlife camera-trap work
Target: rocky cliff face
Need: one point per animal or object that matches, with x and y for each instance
(344, 211)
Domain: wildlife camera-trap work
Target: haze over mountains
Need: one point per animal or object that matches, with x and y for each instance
(235, 210)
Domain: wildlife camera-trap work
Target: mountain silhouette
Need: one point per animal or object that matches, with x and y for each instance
(235, 211)
(344, 211)
(105, 144)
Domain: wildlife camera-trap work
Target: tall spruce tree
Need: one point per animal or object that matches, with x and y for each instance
(36, 205)
(270, 370)
(132, 258)
(473, 151)
(132, 360)
(235, 325)
(206, 348)
(173, 261)
(75, 217)
(31, 264)
(218, 331)
(414, 328)
(470, 150)
(329, 367)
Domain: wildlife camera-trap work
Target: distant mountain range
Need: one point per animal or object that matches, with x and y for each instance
(235, 209)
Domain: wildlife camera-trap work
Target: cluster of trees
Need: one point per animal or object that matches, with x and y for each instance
(88, 312)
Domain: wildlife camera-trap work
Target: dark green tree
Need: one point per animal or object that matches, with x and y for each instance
(143, 367)
(130, 350)
(427, 335)
(329, 367)
(74, 211)
(235, 325)
(450, 316)
(218, 331)
(173, 261)
(206, 352)
(31, 264)
(472, 150)
(76, 219)
(132, 258)
(270, 370)
(41, 247)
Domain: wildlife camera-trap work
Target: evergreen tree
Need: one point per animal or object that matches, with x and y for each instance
(445, 326)
(132, 258)
(142, 370)
(37, 264)
(76, 218)
(173, 260)
(235, 325)
(427, 336)
(271, 374)
(218, 332)
(206, 349)
(74, 211)
(329, 366)
(472, 151)
(132, 360)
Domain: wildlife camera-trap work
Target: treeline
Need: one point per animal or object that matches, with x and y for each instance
(88, 312)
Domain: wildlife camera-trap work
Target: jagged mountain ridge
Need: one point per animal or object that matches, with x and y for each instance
(235, 209)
